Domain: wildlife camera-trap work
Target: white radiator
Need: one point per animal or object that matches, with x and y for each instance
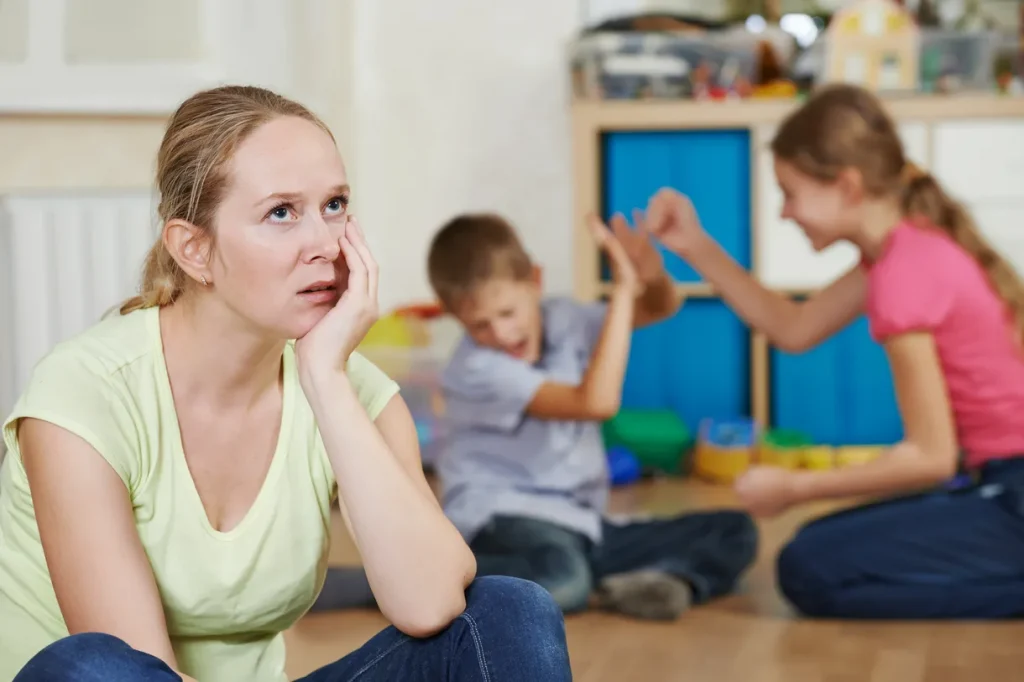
(65, 259)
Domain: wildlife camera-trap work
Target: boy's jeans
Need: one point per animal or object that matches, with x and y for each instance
(709, 550)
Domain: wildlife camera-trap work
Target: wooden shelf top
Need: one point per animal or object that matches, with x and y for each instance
(676, 114)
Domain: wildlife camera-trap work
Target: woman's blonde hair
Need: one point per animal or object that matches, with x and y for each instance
(192, 172)
(844, 126)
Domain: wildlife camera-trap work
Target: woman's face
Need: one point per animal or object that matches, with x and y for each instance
(277, 261)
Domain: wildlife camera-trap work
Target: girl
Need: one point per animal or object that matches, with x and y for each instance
(950, 313)
(165, 505)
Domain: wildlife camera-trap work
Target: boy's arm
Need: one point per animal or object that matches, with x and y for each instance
(599, 393)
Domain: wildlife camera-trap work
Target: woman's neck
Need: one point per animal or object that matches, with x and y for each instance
(879, 220)
(215, 358)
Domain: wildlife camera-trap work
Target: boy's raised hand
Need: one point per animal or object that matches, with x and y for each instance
(624, 273)
(637, 242)
(672, 219)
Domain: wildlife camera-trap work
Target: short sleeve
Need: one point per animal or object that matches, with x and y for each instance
(488, 389)
(373, 387)
(907, 292)
(591, 322)
(66, 390)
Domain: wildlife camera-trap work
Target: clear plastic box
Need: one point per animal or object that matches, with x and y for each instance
(661, 65)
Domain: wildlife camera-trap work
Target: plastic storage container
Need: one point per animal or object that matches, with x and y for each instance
(657, 438)
(628, 65)
(725, 449)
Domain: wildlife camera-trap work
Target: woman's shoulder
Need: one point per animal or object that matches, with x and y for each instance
(91, 385)
(100, 352)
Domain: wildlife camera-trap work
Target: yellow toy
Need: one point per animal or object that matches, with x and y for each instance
(724, 449)
(818, 457)
(854, 455)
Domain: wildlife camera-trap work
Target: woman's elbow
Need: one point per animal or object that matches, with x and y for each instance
(432, 615)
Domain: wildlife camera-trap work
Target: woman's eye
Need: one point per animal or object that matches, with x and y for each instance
(336, 205)
(280, 213)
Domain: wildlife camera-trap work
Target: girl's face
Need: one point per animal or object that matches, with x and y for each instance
(826, 211)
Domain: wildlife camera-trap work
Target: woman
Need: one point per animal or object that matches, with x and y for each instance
(166, 497)
(949, 311)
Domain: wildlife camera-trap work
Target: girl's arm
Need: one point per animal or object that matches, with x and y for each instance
(417, 563)
(928, 454)
(100, 573)
(789, 325)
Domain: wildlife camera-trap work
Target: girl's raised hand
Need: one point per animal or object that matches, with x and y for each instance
(673, 221)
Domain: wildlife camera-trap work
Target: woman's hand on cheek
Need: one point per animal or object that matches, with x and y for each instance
(326, 347)
(765, 491)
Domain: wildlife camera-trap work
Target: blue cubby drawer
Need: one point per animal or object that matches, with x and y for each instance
(840, 393)
(710, 166)
(697, 364)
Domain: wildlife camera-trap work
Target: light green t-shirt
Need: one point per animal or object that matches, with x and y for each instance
(227, 596)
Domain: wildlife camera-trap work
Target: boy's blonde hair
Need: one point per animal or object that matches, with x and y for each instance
(473, 249)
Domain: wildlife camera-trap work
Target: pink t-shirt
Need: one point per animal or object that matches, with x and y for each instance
(925, 281)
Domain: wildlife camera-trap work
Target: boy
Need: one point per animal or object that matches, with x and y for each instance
(525, 477)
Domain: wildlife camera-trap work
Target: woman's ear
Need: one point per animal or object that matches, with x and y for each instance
(190, 247)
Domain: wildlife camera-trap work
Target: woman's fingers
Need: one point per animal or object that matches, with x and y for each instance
(357, 284)
(358, 240)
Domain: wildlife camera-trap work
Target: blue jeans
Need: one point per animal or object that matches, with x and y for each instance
(949, 554)
(708, 550)
(510, 630)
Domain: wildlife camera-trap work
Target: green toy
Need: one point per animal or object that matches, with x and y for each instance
(658, 438)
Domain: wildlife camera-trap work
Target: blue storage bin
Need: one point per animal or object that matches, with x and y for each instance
(840, 393)
(696, 363)
(711, 166)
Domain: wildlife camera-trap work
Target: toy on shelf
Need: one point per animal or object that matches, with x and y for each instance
(657, 438)
(623, 466)
(784, 448)
(411, 345)
(874, 44)
(725, 449)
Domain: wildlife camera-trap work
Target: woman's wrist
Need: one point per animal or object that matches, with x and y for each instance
(322, 385)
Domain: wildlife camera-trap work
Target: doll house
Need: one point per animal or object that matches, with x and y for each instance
(874, 44)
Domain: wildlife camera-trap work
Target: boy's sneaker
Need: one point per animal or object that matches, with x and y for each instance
(647, 594)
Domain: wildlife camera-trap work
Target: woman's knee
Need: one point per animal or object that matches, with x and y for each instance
(526, 620)
(518, 600)
(85, 657)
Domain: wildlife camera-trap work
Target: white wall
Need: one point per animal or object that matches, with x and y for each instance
(461, 105)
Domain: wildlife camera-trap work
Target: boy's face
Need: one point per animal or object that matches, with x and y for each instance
(504, 314)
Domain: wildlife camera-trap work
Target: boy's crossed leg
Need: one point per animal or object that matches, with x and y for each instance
(646, 569)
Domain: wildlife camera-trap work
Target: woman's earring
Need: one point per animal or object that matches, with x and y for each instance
(202, 278)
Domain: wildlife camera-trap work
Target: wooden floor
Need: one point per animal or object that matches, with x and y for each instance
(749, 637)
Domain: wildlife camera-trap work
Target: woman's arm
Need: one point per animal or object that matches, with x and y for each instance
(417, 563)
(789, 325)
(99, 570)
(928, 454)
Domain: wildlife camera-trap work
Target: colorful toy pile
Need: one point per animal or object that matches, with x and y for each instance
(411, 345)
(658, 441)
